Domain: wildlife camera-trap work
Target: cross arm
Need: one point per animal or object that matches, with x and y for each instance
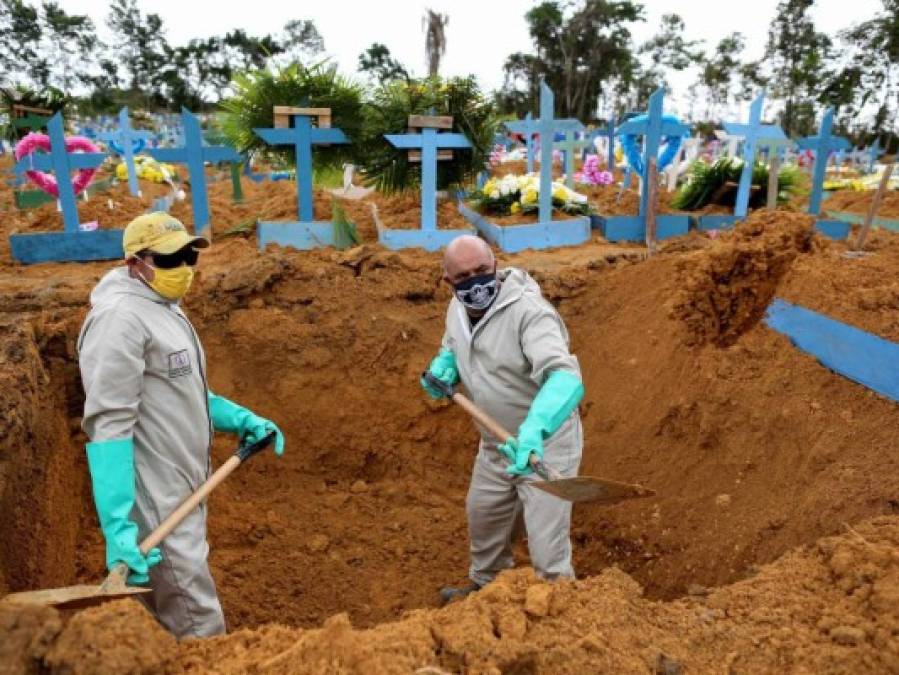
(43, 161)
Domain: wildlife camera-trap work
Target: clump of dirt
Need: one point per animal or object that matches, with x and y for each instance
(117, 637)
(27, 633)
(830, 607)
(728, 285)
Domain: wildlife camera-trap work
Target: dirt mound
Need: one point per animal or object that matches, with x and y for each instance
(859, 202)
(827, 608)
(726, 287)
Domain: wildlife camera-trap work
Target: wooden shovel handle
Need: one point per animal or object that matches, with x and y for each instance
(497, 430)
(119, 572)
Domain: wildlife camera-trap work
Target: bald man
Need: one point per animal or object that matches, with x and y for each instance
(509, 347)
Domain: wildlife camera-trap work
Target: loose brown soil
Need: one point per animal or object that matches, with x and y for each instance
(753, 448)
(860, 202)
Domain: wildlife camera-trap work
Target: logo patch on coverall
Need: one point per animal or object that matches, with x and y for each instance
(179, 363)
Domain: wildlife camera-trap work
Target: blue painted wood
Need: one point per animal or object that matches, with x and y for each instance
(72, 244)
(302, 136)
(542, 235)
(194, 154)
(66, 246)
(569, 146)
(429, 240)
(527, 128)
(874, 151)
(300, 235)
(633, 228)
(835, 229)
(718, 221)
(610, 131)
(429, 140)
(859, 218)
(125, 136)
(822, 144)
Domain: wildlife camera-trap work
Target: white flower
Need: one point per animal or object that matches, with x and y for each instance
(494, 194)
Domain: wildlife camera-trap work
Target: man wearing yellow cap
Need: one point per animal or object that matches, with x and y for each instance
(150, 417)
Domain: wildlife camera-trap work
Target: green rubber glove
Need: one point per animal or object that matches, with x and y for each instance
(443, 367)
(111, 464)
(556, 400)
(230, 417)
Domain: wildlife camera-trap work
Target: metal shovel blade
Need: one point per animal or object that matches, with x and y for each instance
(590, 489)
(72, 597)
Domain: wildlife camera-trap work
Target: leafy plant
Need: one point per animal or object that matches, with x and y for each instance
(345, 234)
(706, 183)
(389, 169)
(257, 92)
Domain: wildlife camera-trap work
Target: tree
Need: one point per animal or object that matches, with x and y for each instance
(20, 37)
(796, 55)
(435, 39)
(377, 62)
(70, 43)
(301, 41)
(720, 71)
(581, 56)
(140, 45)
(869, 80)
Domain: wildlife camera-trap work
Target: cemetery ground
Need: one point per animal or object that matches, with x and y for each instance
(772, 544)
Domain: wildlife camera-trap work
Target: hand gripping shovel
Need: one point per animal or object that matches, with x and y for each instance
(114, 587)
(576, 489)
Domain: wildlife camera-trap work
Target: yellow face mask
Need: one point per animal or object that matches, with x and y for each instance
(172, 284)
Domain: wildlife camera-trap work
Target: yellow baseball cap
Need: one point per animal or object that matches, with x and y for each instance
(158, 232)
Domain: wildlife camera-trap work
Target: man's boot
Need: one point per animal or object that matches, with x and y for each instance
(450, 593)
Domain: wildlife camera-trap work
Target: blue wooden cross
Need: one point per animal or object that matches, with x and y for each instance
(652, 127)
(72, 244)
(823, 144)
(429, 141)
(609, 132)
(302, 136)
(874, 151)
(547, 126)
(546, 233)
(194, 154)
(527, 128)
(125, 137)
(569, 146)
(306, 233)
(754, 134)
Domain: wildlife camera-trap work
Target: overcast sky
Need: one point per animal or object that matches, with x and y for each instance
(480, 34)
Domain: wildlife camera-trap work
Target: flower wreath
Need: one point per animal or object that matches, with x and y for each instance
(635, 156)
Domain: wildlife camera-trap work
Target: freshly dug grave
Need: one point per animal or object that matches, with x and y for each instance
(752, 447)
(832, 607)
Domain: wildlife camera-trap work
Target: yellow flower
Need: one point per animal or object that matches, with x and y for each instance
(515, 208)
(560, 194)
(529, 196)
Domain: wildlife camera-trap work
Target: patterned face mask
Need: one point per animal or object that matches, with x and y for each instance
(477, 293)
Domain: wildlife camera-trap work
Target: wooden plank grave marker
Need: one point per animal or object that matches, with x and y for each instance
(546, 233)
(195, 155)
(427, 139)
(822, 145)
(72, 244)
(306, 233)
(753, 133)
(128, 140)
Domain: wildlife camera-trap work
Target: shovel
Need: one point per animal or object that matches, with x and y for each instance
(575, 489)
(114, 587)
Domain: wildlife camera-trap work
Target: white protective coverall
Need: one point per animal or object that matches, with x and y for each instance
(144, 375)
(503, 360)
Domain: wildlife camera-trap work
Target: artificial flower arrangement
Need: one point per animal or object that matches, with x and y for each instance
(147, 168)
(511, 195)
(591, 174)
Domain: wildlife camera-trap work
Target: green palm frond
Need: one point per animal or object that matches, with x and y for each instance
(389, 169)
(257, 92)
